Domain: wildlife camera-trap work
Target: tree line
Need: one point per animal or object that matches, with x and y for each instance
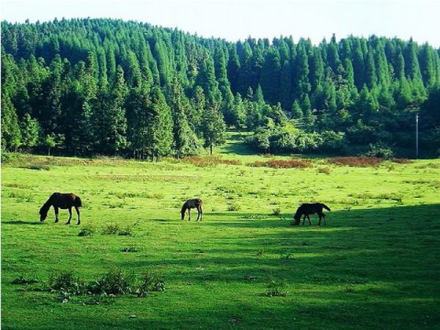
(104, 86)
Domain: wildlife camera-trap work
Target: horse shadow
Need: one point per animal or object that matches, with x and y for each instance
(22, 222)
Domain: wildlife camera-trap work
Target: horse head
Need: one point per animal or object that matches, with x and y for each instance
(297, 218)
(43, 214)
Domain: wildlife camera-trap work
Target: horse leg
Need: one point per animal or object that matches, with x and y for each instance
(304, 219)
(56, 213)
(308, 218)
(199, 214)
(70, 216)
(189, 214)
(77, 213)
(325, 221)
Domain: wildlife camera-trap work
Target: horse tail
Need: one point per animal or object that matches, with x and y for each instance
(326, 207)
(78, 201)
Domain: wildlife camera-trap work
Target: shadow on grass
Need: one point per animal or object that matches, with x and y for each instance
(369, 268)
(21, 222)
(237, 146)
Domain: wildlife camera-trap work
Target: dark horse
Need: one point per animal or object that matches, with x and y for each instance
(307, 209)
(195, 203)
(62, 201)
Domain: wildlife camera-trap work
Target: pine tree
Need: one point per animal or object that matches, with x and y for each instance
(159, 129)
(296, 110)
(11, 135)
(214, 127)
(270, 75)
(185, 141)
(286, 86)
(29, 131)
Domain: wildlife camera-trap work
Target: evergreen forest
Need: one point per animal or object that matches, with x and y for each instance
(113, 87)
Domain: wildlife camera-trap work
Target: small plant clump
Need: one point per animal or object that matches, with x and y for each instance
(276, 288)
(111, 229)
(276, 211)
(115, 282)
(234, 207)
(87, 231)
(22, 280)
(324, 170)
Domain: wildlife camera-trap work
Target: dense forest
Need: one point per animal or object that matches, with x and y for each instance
(110, 87)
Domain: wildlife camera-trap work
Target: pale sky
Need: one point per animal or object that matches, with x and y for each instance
(235, 20)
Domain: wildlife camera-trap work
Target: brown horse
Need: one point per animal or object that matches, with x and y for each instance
(195, 203)
(307, 209)
(62, 201)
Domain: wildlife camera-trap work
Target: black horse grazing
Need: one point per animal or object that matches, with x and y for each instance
(307, 209)
(62, 201)
(195, 203)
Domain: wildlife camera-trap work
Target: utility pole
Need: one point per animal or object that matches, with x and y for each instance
(417, 135)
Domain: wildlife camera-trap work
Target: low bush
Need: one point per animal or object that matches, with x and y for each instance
(66, 282)
(150, 281)
(401, 160)
(111, 229)
(362, 161)
(207, 161)
(274, 163)
(234, 207)
(324, 170)
(87, 231)
(276, 288)
(113, 282)
(276, 211)
(379, 150)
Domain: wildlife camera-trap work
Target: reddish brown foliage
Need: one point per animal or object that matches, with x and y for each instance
(401, 160)
(273, 163)
(356, 161)
(206, 161)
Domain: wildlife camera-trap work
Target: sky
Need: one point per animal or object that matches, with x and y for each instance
(235, 20)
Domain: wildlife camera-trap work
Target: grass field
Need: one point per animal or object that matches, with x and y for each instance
(376, 265)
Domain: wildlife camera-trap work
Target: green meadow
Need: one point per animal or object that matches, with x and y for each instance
(375, 265)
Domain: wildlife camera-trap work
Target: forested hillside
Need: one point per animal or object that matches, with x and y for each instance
(102, 86)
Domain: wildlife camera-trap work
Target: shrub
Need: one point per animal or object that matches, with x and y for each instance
(207, 161)
(126, 232)
(38, 167)
(113, 282)
(380, 151)
(150, 282)
(66, 282)
(130, 249)
(111, 229)
(324, 170)
(22, 280)
(276, 288)
(292, 163)
(234, 207)
(276, 211)
(355, 161)
(87, 231)
(401, 160)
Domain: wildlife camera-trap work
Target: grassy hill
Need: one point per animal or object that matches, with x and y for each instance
(374, 266)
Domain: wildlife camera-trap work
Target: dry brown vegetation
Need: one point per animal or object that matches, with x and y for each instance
(274, 163)
(401, 160)
(206, 161)
(356, 161)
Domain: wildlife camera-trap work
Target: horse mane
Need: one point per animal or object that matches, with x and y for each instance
(46, 206)
(184, 207)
